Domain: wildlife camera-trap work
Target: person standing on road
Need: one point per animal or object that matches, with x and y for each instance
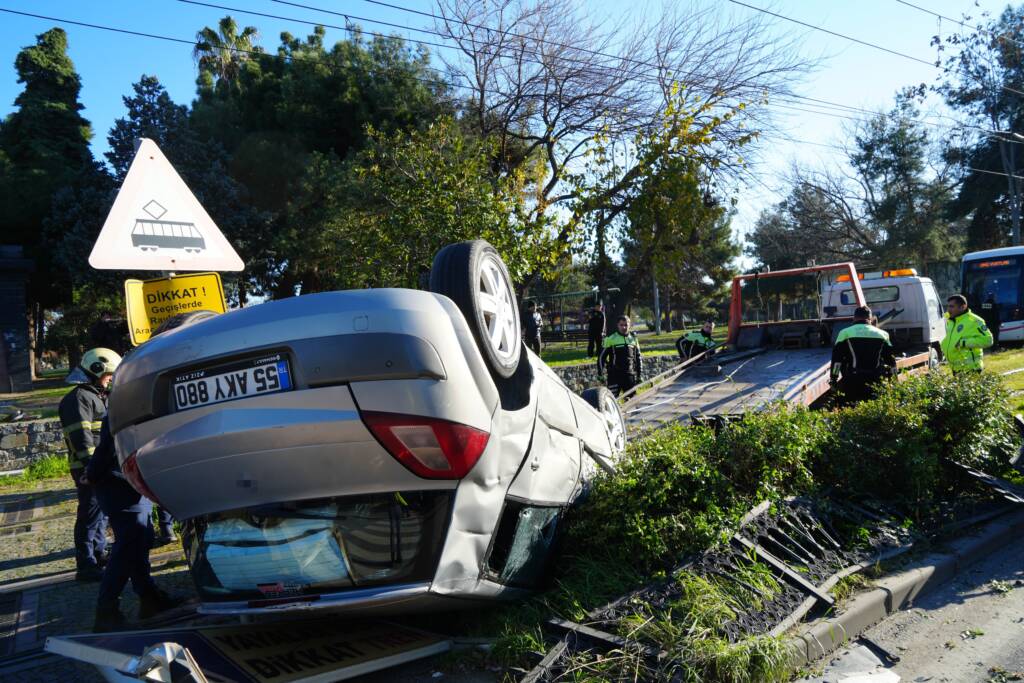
(131, 517)
(620, 357)
(966, 337)
(595, 331)
(531, 327)
(697, 341)
(862, 357)
(81, 412)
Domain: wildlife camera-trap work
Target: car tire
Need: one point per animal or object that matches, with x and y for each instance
(604, 402)
(473, 275)
(182, 320)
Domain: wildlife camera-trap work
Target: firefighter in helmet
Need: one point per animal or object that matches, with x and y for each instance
(81, 414)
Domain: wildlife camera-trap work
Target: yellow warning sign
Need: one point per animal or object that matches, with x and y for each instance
(150, 302)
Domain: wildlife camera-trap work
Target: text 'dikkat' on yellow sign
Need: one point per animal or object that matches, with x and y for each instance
(150, 302)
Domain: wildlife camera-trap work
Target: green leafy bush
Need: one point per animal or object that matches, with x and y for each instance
(967, 416)
(765, 455)
(881, 448)
(666, 498)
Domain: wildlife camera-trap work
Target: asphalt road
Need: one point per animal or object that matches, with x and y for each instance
(970, 629)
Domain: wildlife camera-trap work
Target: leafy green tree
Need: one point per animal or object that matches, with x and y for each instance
(378, 219)
(288, 124)
(889, 207)
(221, 53)
(44, 146)
(984, 80)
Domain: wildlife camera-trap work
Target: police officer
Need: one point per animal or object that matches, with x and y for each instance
(966, 336)
(621, 358)
(532, 323)
(697, 341)
(131, 517)
(81, 412)
(862, 356)
(595, 331)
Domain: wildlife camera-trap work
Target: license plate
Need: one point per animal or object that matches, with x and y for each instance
(267, 375)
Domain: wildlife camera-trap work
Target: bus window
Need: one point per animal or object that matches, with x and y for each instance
(992, 282)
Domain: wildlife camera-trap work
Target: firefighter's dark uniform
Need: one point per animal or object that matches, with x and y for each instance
(595, 333)
(131, 517)
(864, 356)
(692, 343)
(81, 412)
(620, 358)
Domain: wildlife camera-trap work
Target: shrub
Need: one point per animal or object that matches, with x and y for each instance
(766, 454)
(967, 416)
(881, 448)
(666, 499)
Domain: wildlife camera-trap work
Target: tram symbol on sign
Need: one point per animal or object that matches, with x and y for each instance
(150, 234)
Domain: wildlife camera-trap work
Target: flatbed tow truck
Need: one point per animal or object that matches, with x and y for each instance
(764, 361)
(789, 359)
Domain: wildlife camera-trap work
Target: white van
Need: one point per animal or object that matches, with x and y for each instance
(907, 306)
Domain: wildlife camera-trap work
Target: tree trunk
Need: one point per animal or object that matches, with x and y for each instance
(31, 312)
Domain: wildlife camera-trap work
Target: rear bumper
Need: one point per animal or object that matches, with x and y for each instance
(297, 445)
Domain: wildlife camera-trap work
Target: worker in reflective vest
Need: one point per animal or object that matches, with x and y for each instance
(697, 341)
(966, 336)
(620, 357)
(81, 413)
(862, 357)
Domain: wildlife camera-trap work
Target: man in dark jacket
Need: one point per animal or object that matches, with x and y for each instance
(595, 331)
(131, 517)
(81, 411)
(862, 357)
(531, 327)
(698, 341)
(621, 358)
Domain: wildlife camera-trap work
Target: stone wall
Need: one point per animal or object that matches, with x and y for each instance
(583, 376)
(22, 443)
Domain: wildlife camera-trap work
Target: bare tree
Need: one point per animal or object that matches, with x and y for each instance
(557, 87)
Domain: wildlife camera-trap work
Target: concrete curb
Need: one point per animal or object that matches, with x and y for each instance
(896, 591)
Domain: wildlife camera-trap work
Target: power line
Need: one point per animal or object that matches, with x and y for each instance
(855, 40)
(834, 33)
(540, 41)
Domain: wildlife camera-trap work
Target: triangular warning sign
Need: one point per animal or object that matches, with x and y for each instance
(156, 223)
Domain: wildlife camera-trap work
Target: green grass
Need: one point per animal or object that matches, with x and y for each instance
(1004, 361)
(50, 467)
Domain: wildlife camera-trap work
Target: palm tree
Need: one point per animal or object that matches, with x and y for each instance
(222, 52)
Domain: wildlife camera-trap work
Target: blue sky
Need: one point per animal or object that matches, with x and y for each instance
(850, 74)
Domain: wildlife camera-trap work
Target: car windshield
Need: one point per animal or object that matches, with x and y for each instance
(316, 546)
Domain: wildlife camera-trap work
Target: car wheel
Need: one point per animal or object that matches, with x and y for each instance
(603, 401)
(181, 320)
(473, 276)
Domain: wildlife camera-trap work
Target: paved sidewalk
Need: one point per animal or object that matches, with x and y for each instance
(39, 597)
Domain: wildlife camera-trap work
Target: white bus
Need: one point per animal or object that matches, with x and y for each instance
(991, 281)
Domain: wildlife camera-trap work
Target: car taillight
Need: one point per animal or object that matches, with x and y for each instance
(130, 469)
(430, 447)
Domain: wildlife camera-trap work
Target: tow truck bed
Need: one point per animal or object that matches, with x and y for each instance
(747, 381)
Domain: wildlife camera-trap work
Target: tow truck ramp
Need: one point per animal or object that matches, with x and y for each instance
(308, 651)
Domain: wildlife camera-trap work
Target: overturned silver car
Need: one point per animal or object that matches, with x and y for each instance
(377, 450)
